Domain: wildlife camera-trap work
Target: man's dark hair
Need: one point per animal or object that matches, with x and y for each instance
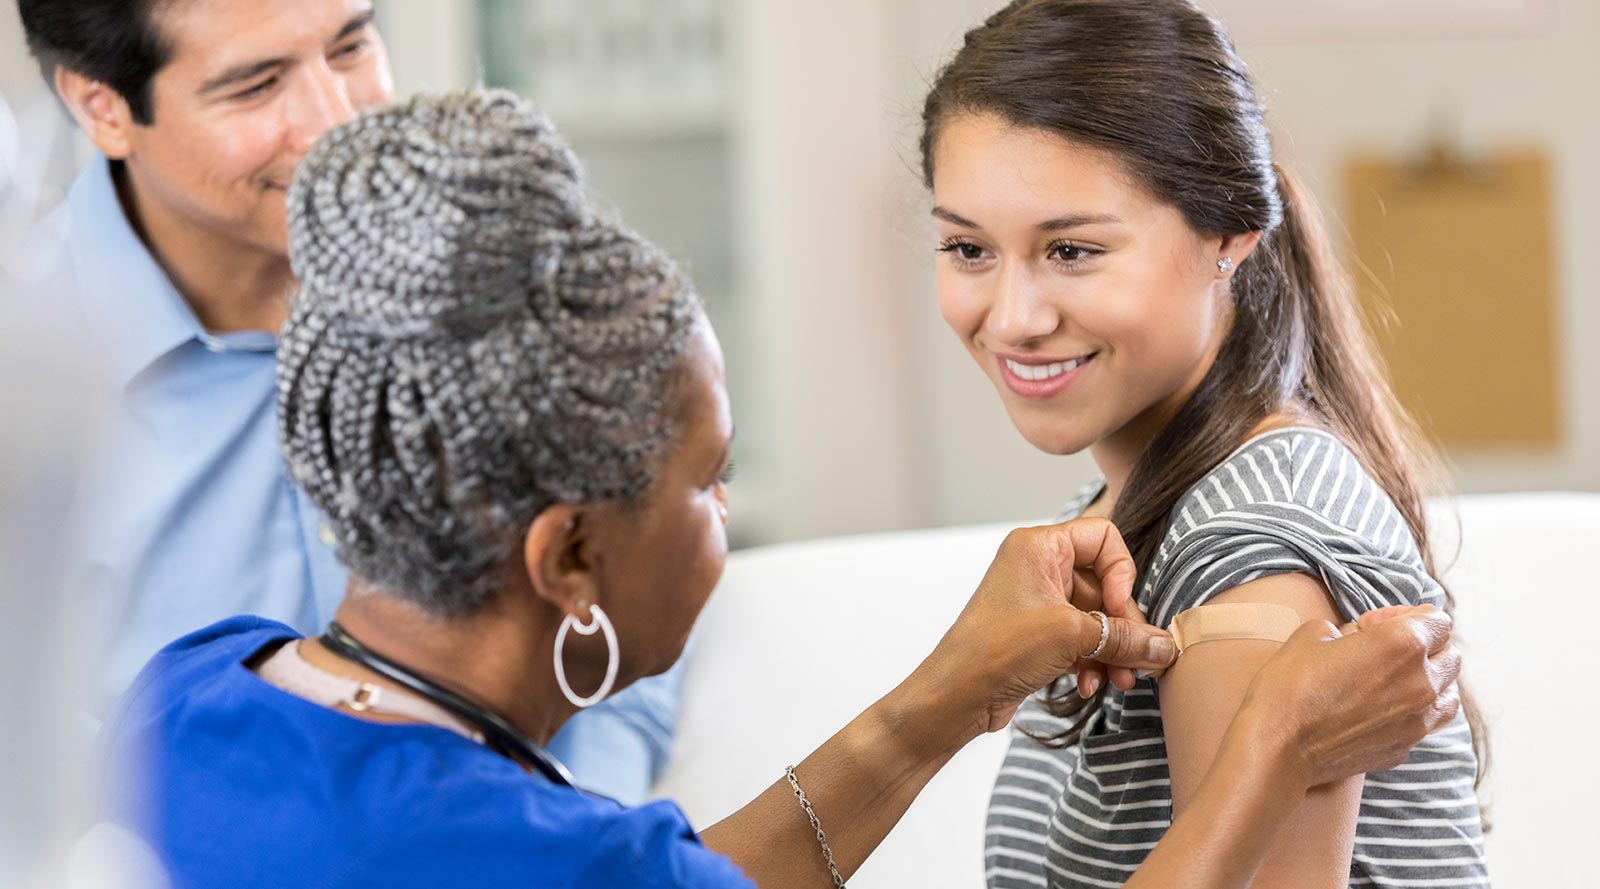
(113, 41)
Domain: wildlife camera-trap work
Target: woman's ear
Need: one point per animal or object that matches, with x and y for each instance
(101, 112)
(1234, 250)
(558, 554)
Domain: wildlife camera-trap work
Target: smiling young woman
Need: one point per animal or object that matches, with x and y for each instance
(1123, 258)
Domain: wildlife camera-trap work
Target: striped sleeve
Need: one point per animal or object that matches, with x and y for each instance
(1289, 504)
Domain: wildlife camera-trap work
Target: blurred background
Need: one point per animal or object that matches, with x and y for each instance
(771, 146)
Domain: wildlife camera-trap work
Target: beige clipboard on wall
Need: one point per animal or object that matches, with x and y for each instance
(1455, 264)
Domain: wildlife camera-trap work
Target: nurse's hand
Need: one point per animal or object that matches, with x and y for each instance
(1022, 629)
(1028, 622)
(1356, 700)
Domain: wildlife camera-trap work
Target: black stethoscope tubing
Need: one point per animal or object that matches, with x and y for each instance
(499, 734)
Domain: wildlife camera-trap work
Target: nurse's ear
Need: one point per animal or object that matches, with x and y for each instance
(558, 553)
(100, 111)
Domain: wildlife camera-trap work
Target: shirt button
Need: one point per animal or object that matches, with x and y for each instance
(325, 534)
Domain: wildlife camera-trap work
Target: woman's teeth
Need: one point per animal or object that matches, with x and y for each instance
(1044, 371)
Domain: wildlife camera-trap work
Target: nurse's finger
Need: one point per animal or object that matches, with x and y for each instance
(1091, 678)
(1132, 644)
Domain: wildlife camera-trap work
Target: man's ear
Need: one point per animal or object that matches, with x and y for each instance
(101, 112)
(558, 554)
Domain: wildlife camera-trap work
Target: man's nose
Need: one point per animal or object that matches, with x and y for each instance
(323, 104)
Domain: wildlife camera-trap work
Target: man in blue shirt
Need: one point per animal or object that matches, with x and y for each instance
(176, 261)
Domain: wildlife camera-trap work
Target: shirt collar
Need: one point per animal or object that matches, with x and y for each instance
(124, 291)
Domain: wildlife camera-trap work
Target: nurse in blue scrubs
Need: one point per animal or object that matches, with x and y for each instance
(512, 411)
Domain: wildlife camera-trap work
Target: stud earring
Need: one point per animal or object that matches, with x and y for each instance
(1225, 264)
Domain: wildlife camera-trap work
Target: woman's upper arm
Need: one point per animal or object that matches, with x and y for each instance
(1199, 697)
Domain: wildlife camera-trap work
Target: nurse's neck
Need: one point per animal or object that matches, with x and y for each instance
(230, 284)
(490, 657)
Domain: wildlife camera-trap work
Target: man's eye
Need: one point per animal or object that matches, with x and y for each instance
(257, 90)
(352, 49)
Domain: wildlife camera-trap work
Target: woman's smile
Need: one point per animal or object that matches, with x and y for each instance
(1035, 377)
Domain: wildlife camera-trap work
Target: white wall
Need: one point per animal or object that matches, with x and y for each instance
(819, 190)
(434, 43)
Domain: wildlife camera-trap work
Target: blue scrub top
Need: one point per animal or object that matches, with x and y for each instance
(237, 783)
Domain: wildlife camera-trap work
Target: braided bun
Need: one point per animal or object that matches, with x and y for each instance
(472, 341)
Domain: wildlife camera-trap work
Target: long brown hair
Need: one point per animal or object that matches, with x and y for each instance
(1157, 83)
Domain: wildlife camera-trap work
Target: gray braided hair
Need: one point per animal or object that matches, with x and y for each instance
(471, 342)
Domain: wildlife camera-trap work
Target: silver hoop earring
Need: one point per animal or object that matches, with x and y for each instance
(597, 621)
(1225, 264)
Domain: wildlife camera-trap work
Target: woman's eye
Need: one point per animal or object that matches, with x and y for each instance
(727, 474)
(1068, 253)
(963, 252)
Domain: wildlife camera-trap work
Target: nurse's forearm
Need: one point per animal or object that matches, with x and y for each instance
(859, 783)
(862, 780)
(1222, 837)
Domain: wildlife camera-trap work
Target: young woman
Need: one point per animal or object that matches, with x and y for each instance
(1121, 255)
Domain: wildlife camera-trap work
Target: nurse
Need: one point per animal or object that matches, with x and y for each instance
(512, 411)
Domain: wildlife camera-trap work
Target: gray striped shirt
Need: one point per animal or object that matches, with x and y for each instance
(1291, 500)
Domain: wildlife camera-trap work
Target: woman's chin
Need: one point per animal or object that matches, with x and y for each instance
(1059, 442)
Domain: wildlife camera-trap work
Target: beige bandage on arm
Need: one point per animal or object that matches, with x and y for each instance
(1244, 620)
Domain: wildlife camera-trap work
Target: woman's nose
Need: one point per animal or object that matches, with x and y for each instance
(1021, 311)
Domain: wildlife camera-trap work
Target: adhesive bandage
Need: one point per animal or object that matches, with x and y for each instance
(1215, 623)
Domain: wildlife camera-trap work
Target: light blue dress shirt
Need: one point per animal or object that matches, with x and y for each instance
(192, 516)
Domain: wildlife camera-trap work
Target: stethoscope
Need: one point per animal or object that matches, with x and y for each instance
(498, 734)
